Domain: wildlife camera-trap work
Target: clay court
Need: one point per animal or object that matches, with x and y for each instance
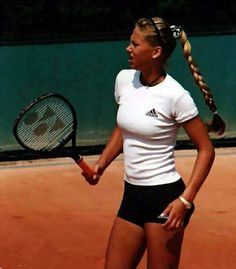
(52, 219)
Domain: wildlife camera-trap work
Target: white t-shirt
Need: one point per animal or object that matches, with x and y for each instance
(149, 119)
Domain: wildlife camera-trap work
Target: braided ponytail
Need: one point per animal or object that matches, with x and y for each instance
(217, 125)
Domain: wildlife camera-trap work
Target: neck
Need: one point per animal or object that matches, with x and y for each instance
(152, 80)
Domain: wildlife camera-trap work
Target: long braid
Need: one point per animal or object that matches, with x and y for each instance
(198, 78)
(217, 125)
(165, 34)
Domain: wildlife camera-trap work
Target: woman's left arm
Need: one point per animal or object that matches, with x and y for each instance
(198, 134)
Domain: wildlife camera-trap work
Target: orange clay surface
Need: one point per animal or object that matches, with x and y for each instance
(50, 218)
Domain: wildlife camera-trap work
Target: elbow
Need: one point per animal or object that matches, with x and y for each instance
(206, 148)
(208, 152)
(210, 156)
(212, 153)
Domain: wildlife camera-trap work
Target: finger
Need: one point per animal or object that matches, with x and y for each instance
(92, 182)
(96, 168)
(85, 176)
(171, 226)
(167, 224)
(180, 223)
(167, 210)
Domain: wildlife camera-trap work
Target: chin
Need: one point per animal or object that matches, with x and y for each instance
(132, 66)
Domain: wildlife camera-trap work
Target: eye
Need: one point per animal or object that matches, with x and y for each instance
(133, 43)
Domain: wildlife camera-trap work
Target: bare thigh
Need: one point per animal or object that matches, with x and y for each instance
(163, 247)
(126, 245)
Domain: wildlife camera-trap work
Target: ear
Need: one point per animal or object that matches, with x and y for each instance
(157, 51)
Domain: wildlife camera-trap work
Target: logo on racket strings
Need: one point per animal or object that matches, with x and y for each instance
(44, 123)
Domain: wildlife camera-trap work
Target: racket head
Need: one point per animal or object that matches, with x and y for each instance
(46, 124)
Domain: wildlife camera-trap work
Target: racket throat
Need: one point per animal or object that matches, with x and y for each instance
(78, 158)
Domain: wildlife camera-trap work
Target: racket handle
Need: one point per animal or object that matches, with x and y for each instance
(85, 166)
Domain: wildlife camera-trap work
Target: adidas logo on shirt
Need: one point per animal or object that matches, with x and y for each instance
(152, 113)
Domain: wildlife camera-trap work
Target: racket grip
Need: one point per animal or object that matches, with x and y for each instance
(85, 167)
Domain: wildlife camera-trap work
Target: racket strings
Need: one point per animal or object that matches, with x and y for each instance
(46, 125)
(47, 141)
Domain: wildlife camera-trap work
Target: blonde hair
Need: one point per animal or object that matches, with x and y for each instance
(217, 125)
(156, 28)
(154, 34)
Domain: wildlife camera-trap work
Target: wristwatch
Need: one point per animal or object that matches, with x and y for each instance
(187, 204)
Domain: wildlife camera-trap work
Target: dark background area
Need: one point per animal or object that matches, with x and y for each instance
(33, 62)
(67, 20)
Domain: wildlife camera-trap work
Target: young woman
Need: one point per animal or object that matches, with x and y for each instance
(152, 106)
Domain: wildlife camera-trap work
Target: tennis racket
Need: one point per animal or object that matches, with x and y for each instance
(47, 124)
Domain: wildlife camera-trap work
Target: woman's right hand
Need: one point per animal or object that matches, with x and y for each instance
(97, 172)
(112, 150)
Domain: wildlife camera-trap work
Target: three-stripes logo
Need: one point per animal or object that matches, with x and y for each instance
(152, 113)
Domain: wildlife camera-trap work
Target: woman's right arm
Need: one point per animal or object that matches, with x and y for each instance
(111, 151)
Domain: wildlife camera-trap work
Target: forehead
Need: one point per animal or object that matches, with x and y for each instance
(138, 35)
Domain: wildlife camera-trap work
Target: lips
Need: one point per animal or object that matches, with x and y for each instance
(130, 59)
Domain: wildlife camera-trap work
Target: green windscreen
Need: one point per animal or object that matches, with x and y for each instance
(85, 73)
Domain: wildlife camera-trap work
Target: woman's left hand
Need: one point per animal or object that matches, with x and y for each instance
(176, 212)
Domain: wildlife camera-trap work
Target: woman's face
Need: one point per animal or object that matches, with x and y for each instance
(139, 50)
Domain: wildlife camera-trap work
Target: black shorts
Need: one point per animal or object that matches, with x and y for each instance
(142, 204)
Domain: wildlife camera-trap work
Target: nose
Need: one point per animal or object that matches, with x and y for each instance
(128, 48)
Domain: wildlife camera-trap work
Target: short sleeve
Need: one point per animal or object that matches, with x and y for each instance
(119, 82)
(116, 93)
(185, 108)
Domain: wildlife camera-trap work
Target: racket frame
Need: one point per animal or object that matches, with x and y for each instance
(72, 136)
